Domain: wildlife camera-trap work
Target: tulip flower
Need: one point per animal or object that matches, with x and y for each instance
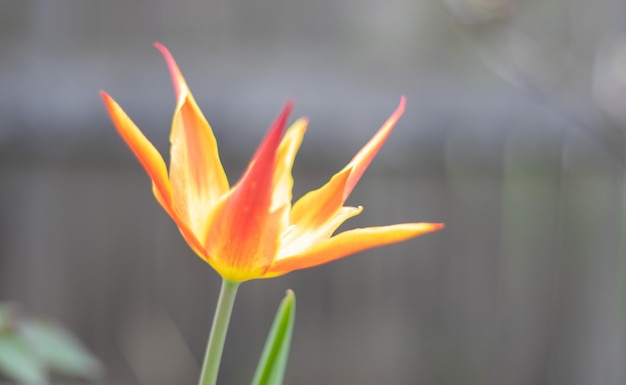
(252, 230)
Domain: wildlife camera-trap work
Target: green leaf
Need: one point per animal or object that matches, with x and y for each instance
(18, 361)
(273, 362)
(60, 350)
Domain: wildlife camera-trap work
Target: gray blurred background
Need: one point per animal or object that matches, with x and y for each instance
(512, 136)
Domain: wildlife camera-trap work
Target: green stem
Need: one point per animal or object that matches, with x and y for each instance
(214, 348)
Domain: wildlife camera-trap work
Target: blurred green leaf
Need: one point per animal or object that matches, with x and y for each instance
(273, 362)
(60, 351)
(18, 362)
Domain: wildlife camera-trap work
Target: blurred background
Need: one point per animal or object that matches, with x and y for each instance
(513, 137)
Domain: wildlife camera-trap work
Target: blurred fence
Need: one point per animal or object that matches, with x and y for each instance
(522, 287)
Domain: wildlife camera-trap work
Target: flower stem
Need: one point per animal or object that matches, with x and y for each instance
(213, 354)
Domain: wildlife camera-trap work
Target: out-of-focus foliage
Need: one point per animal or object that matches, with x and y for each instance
(31, 349)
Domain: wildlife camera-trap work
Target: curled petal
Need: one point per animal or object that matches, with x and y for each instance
(350, 242)
(196, 173)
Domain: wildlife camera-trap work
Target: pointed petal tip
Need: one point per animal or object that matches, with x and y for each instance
(400, 109)
(105, 96)
(411, 230)
(287, 109)
(163, 49)
(177, 77)
(281, 122)
(423, 228)
(111, 105)
(364, 157)
(276, 131)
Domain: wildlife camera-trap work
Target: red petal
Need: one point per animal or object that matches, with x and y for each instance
(242, 237)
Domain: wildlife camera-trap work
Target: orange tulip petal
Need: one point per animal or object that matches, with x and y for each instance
(196, 173)
(152, 162)
(319, 206)
(285, 157)
(316, 207)
(148, 156)
(252, 231)
(363, 158)
(242, 237)
(187, 233)
(294, 239)
(350, 242)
